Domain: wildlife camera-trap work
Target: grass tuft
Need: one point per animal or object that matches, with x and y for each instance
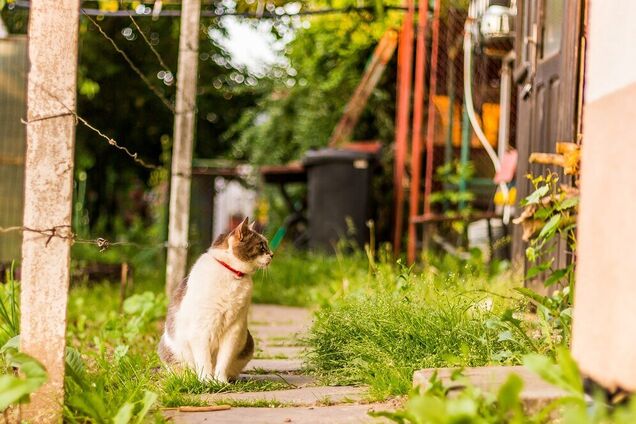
(186, 381)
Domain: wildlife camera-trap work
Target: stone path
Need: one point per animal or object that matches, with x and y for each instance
(278, 332)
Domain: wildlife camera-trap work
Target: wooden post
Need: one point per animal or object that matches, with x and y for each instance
(184, 124)
(53, 32)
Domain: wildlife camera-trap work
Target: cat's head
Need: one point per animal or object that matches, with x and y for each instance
(246, 245)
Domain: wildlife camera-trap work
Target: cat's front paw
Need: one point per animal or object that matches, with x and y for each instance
(205, 376)
(221, 377)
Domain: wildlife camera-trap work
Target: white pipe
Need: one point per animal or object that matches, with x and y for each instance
(470, 110)
(504, 104)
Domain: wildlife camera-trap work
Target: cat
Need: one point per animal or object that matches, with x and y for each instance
(206, 325)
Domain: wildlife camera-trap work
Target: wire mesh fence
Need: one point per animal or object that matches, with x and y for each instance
(451, 127)
(13, 65)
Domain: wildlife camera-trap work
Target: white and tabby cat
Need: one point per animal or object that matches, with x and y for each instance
(206, 327)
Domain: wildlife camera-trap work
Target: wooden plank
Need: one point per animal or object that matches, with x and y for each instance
(53, 33)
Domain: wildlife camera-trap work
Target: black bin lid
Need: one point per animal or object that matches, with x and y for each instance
(331, 155)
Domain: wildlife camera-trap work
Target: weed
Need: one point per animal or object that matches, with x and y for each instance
(394, 322)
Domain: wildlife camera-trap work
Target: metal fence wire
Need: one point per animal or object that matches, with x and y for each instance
(13, 65)
(451, 127)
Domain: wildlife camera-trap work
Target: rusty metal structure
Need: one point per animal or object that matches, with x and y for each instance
(440, 129)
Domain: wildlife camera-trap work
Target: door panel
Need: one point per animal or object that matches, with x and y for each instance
(548, 41)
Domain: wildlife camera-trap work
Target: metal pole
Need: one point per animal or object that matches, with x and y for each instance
(504, 104)
(405, 65)
(51, 88)
(430, 127)
(184, 125)
(418, 110)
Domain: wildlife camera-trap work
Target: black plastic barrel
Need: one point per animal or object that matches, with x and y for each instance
(339, 196)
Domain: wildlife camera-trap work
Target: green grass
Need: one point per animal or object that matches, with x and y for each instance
(393, 321)
(304, 279)
(376, 322)
(187, 382)
(116, 364)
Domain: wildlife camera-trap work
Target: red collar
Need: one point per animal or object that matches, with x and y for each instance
(236, 272)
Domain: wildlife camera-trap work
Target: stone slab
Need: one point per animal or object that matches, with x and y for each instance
(304, 396)
(535, 393)
(296, 380)
(288, 352)
(342, 414)
(277, 314)
(275, 365)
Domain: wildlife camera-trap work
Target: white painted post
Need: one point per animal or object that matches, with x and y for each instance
(53, 32)
(184, 125)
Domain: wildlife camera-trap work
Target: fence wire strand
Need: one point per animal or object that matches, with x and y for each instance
(152, 48)
(63, 232)
(78, 118)
(132, 65)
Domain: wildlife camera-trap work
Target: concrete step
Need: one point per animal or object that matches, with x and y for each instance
(303, 396)
(341, 414)
(273, 366)
(536, 393)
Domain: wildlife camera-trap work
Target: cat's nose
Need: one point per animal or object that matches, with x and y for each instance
(271, 254)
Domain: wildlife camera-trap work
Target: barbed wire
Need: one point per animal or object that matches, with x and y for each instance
(152, 48)
(123, 54)
(101, 242)
(111, 141)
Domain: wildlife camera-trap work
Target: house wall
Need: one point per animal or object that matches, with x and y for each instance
(13, 63)
(604, 329)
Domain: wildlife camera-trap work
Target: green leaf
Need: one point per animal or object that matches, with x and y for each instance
(14, 389)
(537, 195)
(508, 396)
(565, 375)
(570, 370)
(504, 336)
(146, 403)
(13, 344)
(536, 297)
(550, 227)
(538, 269)
(568, 203)
(124, 414)
(556, 276)
(74, 364)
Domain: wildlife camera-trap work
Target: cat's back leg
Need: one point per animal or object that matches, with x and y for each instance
(242, 358)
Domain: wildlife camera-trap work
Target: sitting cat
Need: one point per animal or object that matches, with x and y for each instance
(206, 327)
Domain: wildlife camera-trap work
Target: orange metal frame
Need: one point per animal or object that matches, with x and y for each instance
(402, 114)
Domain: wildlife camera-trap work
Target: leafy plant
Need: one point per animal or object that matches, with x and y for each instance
(9, 308)
(435, 405)
(457, 202)
(549, 215)
(15, 387)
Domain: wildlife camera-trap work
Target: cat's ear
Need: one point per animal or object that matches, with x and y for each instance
(242, 229)
(251, 226)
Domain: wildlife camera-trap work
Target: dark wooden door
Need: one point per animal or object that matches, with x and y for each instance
(547, 70)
